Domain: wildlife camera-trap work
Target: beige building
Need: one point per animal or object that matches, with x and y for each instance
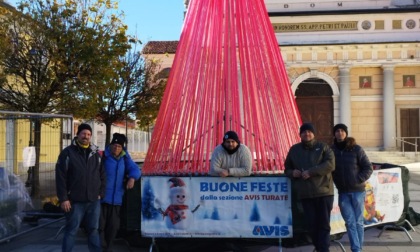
(353, 62)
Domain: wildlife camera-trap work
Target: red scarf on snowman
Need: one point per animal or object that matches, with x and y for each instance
(172, 212)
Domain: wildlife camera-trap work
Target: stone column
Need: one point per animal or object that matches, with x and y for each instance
(389, 119)
(345, 97)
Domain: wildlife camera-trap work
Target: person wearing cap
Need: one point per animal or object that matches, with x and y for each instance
(352, 170)
(310, 164)
(121, 173)
(80, 183)
(231, 158)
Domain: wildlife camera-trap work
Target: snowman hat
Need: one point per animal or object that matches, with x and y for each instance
(177, 186)
(176, 182)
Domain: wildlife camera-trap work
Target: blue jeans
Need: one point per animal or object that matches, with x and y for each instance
(89, 213)
(351, 206)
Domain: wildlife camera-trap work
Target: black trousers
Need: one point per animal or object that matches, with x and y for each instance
(318, 212)
(109, 225)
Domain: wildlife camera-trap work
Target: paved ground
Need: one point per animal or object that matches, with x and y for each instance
(45, 239)
(46, 236)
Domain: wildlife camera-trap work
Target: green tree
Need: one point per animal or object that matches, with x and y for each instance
(57, 56)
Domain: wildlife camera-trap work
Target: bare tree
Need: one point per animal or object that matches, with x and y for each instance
(149, 98)
(120, 97)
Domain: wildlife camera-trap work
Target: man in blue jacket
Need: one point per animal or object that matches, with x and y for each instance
(80, 183)
(121, 173)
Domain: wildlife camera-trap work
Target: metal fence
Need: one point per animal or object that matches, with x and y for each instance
(17, 137)
(17, 152)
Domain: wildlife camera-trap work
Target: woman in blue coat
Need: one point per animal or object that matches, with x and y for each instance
(121, 173)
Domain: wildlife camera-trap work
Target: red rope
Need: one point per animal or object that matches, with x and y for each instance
(228, 74)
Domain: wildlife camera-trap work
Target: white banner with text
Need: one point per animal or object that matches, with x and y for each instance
(247, 207)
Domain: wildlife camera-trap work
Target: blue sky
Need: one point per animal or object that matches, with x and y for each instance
(155, 19)
(151, 19)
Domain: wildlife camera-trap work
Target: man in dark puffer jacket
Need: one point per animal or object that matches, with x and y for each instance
(352, 169)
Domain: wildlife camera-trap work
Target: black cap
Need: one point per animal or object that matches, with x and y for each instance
(307, 126)
(118, 138)
(231, 135)
(341, 126)
(84, 126)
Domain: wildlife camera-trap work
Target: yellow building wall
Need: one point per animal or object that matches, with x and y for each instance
(50, 142)
(399, 74)
(376, 74)
(367, 121)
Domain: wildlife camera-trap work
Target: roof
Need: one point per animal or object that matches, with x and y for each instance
(6, 5)
(160, 47)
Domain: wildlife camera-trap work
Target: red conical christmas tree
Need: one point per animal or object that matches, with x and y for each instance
(228, 74)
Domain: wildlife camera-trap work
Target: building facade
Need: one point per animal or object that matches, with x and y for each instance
(353, 62)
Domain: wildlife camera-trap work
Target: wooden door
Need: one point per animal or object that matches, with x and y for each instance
(318, 111)
(410, 127)
(315, 104)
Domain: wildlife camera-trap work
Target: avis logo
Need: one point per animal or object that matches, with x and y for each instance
(271, 230)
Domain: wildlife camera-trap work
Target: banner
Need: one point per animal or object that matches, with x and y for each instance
(249, 207)
(384, 201)
(246, 207)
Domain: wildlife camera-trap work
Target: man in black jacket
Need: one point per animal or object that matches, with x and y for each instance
(352, 169)
(309, 164)
(80, 183)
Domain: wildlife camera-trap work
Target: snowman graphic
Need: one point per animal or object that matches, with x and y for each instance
(177, 215)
